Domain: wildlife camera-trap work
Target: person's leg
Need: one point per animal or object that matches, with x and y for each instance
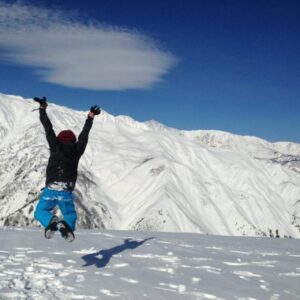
(46, 204)
(66, 205)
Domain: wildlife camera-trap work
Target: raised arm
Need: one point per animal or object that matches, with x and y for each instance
(50, 134)
(84, 135)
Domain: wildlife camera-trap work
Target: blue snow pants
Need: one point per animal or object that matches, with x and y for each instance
(49, 199)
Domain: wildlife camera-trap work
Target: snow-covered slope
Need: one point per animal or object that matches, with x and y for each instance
(145, 176)
(143, 265)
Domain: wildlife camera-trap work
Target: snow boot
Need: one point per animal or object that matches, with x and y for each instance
(65, 231)
(51, 228)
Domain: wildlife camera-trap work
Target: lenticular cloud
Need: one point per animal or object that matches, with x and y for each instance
(72, 53)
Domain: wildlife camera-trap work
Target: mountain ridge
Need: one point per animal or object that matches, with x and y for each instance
(146, 176)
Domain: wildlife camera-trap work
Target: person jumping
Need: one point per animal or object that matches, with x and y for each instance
(61, 174)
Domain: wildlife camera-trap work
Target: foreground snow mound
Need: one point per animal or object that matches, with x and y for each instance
(146, 265)
(146, 176)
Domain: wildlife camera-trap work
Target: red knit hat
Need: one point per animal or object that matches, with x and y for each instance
(66, 136)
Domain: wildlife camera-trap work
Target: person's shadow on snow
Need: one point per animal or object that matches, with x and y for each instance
(101, 259)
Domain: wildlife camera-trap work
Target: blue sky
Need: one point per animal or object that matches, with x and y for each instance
(224, 65)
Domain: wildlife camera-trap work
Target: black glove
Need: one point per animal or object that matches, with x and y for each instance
(95, 110)
(41, 101)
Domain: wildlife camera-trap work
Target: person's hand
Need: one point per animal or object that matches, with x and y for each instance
(42, 101)
(94, 111)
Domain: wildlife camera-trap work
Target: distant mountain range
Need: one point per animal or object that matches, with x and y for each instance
(146, 176)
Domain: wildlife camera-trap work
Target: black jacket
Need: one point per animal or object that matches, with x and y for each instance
(64, 158)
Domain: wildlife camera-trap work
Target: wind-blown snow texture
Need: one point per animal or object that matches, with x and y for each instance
(145, 176)
(140, 265)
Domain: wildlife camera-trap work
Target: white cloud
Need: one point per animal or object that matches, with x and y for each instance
(71, 53)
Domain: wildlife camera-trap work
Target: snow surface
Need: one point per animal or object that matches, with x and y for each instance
(146, 176)
(147, 265)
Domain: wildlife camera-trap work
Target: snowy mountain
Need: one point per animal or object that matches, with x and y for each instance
(146, 176)
(143, 265)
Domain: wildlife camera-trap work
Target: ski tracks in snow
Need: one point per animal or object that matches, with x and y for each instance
(167, 266)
